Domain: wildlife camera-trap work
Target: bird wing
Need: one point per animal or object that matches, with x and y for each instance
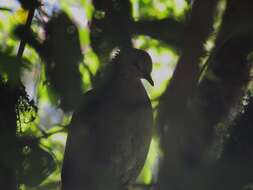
(88, 131)
(79, 148)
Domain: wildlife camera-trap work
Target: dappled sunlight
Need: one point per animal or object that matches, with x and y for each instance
(79, 77)
(50, 117)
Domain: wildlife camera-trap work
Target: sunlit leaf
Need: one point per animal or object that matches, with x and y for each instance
(19, 16)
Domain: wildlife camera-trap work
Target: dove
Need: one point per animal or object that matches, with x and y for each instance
(111, 130)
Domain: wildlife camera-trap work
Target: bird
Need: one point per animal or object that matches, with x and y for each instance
(111, 130)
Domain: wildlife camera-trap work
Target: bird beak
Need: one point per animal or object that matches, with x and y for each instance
(149, 79)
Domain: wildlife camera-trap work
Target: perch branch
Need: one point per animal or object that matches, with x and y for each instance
(27, 26)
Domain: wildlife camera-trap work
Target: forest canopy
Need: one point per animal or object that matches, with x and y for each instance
(53, 52)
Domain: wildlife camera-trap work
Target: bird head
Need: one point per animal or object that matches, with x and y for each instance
(142, 64)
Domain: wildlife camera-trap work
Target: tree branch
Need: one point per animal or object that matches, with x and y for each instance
(27, 27)
(166, 30)
(176, 139)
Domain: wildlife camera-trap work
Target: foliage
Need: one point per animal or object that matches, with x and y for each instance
(195, 104)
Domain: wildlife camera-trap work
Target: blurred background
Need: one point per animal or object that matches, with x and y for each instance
(158, 27)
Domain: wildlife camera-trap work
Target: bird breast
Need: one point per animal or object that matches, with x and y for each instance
(125, 132)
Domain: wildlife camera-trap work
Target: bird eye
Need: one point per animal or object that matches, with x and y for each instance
(138, 66)
(71, 29)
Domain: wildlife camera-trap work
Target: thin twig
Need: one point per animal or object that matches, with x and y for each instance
(48, 134)
(27, 26)
(5, 9)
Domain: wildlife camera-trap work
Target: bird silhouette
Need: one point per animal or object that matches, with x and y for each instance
(110, 132)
